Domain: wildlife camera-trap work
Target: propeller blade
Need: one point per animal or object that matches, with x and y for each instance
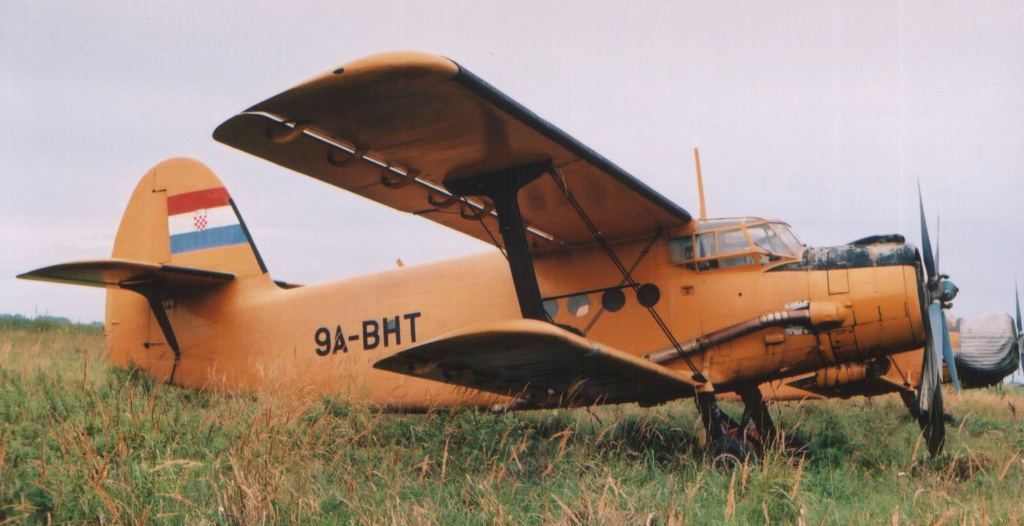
(929, 392)
(926, 243)
(935, 427)
(938, 241)
(1020, 339)
(929, 396)
(947, 353)
(931, 369)
(1017, 294)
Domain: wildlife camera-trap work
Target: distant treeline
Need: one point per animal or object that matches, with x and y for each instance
(43, 323)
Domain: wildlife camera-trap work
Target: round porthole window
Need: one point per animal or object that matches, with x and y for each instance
(613, 300)
(551, 307)
(648, 295)
(579, 306)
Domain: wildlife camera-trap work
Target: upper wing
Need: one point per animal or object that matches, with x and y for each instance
(123, 273)
(540, 364)
(396, 127)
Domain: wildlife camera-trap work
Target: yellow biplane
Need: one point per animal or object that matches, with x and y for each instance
(600, 290)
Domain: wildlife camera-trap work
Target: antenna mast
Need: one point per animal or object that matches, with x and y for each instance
(700, 184)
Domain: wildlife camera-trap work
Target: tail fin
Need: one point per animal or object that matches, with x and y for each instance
(181, 214)
(181, 240)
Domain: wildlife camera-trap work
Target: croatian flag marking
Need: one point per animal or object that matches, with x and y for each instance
(202, 219)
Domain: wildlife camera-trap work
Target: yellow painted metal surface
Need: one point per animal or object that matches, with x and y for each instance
(324, 339)
(542, 362)
(434, 122)
(408, 127)
(904, 374)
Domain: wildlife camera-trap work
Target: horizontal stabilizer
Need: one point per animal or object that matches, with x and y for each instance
(123, 273)
(540, 364)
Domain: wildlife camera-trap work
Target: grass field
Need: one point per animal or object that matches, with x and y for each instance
(82, 442)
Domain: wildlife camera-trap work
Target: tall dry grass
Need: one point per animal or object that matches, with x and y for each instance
(81, 442)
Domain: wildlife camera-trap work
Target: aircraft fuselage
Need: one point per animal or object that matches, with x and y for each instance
(324, 339)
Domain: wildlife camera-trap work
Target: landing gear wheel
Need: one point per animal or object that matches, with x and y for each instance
(726, 462)
(728, 453)
(724, 445)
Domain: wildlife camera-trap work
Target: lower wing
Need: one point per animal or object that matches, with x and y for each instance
(539, 364)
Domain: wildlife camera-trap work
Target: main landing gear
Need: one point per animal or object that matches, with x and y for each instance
(729, 442)
(726, 449)
(909, 398)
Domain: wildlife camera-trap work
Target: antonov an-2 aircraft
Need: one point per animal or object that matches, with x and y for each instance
(601, 290)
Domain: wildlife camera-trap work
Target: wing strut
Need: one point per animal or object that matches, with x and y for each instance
(626, 274)
(502, 188)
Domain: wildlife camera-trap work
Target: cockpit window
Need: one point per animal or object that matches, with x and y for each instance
(706, 242)
(681, 250)
(764, 237)
(788, 237)
(734, 242)
(731, 242)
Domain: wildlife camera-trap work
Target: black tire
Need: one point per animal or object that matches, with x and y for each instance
(726, 462)
(728, 453)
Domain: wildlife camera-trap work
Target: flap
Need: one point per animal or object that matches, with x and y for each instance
(123, 273)
(396, 127)
(541, 364)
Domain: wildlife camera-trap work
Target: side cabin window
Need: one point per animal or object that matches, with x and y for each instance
(731, 241)
(680, 250)
(734, 242)
(706, 244)
(711, 250)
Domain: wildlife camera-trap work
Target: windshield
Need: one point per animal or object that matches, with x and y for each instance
(764, 237)
(788, 237)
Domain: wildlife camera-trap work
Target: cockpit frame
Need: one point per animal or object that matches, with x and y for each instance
(735, 242)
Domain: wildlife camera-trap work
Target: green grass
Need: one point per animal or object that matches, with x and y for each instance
(82, 442)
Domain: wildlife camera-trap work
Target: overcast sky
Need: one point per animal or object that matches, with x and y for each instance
(820, 113)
